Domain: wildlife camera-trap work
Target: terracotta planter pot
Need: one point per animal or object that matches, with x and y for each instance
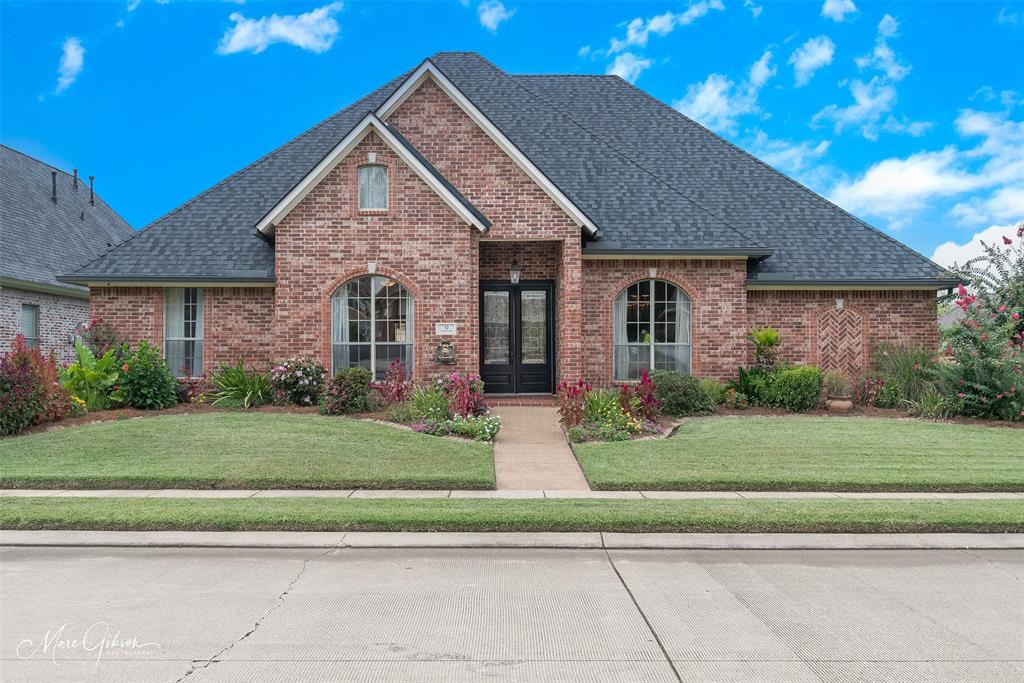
(839, 404)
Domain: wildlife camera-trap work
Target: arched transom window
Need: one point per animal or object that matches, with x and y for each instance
(371, 322)
(652, 329)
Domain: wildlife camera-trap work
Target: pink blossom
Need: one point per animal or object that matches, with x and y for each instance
(1007, 240)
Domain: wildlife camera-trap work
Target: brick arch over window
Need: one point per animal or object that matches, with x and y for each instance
(608, 308)
(326, 318)
(840, 339)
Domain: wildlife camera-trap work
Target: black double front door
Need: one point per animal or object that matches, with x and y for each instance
(517, 337)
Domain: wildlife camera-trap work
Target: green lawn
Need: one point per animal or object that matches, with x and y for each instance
(319, 514)
(242, 450)
(813, 453)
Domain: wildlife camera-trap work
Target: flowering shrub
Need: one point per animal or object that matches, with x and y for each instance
(298, 381)
(476, 427)
(193, 389)
(99, 336)
(984, 351)
(347, 392)
(465, 394)
(571, 399)
(56, 400)
(639, 399)
(21, 392)
(146, 382)
(395, 388)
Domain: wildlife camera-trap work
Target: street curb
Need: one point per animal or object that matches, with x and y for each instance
(551, 540)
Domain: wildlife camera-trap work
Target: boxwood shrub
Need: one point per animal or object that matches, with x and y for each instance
(795, 388)
(680, 394)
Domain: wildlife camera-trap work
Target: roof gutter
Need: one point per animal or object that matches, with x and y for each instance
(150, 281)
(725, 252)
(905, 283)
(30, 286)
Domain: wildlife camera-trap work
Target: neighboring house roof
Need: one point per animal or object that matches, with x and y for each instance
(951, 317)
(651, 180)
(42, 239)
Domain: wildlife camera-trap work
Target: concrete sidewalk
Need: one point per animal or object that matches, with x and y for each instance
(507, 493)
(531, 452)
(573, 540)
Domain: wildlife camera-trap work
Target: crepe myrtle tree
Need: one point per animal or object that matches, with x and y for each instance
(986, 349)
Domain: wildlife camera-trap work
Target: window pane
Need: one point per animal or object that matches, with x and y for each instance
(30, 324)
(373, 187)
(183, 330)
(184, 357)
(672, 357)
(534, 317)
(377, 322)
(630, 360)
(496, 328)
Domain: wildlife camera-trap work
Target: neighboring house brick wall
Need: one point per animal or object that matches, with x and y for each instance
(899, 317)
(326, 241)
(58, 317)
(716, 289)
(517, 207)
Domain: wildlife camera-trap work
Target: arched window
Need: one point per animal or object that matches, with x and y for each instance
(373, 187)
(371, 324)
(652, 329)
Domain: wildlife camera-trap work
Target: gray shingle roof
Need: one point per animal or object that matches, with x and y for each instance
(651, 180)
(41, 239)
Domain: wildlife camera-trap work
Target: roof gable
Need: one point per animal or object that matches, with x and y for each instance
(429, 71)
(405, 151)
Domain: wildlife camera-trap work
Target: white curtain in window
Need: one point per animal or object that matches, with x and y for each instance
(183, 330)
(174, 313)
(682, 318)
(373, 187)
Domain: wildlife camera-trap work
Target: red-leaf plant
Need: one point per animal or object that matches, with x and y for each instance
(571, 400)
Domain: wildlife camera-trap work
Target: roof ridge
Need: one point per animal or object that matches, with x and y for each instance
(636, 163)
(794, 182)
(207, 191)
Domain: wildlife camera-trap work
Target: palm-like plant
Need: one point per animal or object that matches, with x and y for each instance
(766, 342)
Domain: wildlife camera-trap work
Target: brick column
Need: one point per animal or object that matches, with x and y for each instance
(569, 340)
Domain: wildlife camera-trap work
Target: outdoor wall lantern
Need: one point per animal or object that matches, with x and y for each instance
(445, 354)
(515, 272)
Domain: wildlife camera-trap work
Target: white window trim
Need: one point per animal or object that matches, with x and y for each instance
(373, 343)
(387, 188)
(200, 331)
(652, 345)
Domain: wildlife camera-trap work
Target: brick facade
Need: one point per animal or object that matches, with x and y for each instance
(803, 318)
(717, 294)
(422, 243)
(58, 317)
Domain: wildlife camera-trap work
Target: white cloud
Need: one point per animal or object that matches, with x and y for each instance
(314, 31)
(754, 8)
(583, 51)
(1005, 204)
(894, 186)
(132, 5)
(717, 102)
(874, 99)
(628, 66)
(72, 61)
(951, 253)
(898, 187)
(639, 30)
(836, 10)
(785, 155)
(492, 13)
(1007, 17)
(811, 56)
(883, 57)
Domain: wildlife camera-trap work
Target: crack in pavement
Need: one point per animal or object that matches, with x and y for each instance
(198, 664)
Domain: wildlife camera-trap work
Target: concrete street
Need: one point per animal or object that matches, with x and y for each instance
(235, 614)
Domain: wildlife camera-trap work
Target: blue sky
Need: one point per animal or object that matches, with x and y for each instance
(909, 114)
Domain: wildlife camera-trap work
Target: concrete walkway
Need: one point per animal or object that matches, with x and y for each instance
(531, 452)
(506, 493)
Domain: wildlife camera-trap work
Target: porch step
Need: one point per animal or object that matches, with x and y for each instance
(539, 400)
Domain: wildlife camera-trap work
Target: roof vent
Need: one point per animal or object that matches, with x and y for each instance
(53, 176)
(92, 192)
(74, 180)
